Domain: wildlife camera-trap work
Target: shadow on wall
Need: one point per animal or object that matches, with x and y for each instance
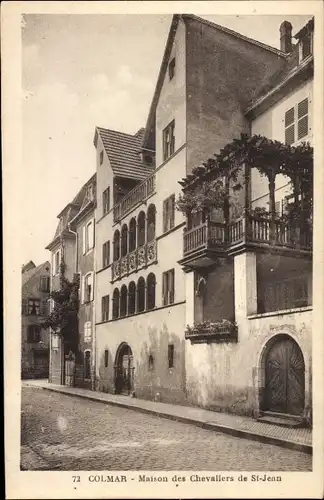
(208, 387)
(160, 369)
(105, 380)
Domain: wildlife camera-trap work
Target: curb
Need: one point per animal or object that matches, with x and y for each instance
(252, 436)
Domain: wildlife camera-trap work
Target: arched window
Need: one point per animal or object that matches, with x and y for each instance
(115, 299)
(123, 301)
(116, 253)
(150, 290)
(141, 295)
(141, 229)
(151, 212)
(124, 237)
(132, 235)
(131, 298)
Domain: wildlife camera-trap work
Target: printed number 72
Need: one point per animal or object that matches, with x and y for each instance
(76, 479)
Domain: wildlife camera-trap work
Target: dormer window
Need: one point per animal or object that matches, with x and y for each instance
(172, 68)
(305, 46)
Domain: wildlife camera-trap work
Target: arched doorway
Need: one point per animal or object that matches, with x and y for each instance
(284, 377)
(124, 370)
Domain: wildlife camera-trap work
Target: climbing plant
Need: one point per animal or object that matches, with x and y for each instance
(268, 156)
(63, 318)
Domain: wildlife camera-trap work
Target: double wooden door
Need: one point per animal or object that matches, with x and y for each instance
(285, 378)
(124, 372)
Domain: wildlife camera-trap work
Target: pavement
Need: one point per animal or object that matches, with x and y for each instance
(299, 439)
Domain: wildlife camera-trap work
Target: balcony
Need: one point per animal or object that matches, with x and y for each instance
(214, 239)
(134, 261)
(207, 332)
(137, 195)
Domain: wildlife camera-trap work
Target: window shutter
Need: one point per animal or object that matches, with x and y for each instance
(92, 287)
(82, 289)
(165, 216)
(171, 286)
(164, 288)
(172, 203)
(91, 235)
(84, 240)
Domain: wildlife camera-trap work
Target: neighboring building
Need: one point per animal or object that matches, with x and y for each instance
(71, 361)
(34, 338)
(83, 225)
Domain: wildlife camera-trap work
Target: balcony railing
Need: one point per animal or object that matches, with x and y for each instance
(135, 196)
(222, 331)
(137, 259)
(215, 235)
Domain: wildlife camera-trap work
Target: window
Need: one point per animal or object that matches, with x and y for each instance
(132, 235)
(115, 313)
(150, 362)
(106, 358)
(106, 201)
(101, 157)
(168, 213)
(105, 254)
(168, 287)
(141, 295)
(88, 288)
(123, 301)
(150, 223)
(150, 289)
(56, 262)
(34, 307)
(171, 355)
(105, 308)
(171, 68)
(305, 46)
(141, 229)
(33, 333)
(116, 245)
(88, 236)
(296, 122)
(87, 331)
(124, 238)
(55, 341)
(87, 364)
(24, 306)
(45, 284)
(131, 298)
(168, 141)
(286, 294)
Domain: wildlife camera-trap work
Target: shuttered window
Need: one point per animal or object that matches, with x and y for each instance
(168, 213)
(106, 201)
(87, 291)
(87, 331)
(296, 122)
(105, 308)
(168, 287)
(168, 140)
(105, 254)
(171, 355)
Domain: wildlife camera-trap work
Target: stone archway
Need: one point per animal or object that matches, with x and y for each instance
(124, 370)
(283, 369)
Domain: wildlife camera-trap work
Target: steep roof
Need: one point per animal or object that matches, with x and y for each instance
(163, 68)
(123, 151)
(27, 275)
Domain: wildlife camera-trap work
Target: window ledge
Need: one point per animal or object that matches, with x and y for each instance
(281, 313)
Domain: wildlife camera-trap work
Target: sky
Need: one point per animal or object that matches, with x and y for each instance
(82, 71)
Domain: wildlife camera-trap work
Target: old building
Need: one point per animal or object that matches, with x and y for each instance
(71, 360)
(34, 338)
(214, 84)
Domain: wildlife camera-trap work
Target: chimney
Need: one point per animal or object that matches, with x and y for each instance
(285, 37)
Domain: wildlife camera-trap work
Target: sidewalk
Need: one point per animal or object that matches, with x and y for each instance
(245, 427)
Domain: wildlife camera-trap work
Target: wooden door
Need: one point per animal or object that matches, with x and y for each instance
(285, 378)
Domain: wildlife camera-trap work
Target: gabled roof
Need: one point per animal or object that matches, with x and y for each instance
(163, 68)
(123, 151)
(27, 275)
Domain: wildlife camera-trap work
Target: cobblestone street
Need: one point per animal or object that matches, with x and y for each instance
(67, 433)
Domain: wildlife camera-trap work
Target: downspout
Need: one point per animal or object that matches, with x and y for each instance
(76, 267)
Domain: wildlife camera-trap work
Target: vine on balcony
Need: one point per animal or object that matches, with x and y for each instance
(210, 328)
